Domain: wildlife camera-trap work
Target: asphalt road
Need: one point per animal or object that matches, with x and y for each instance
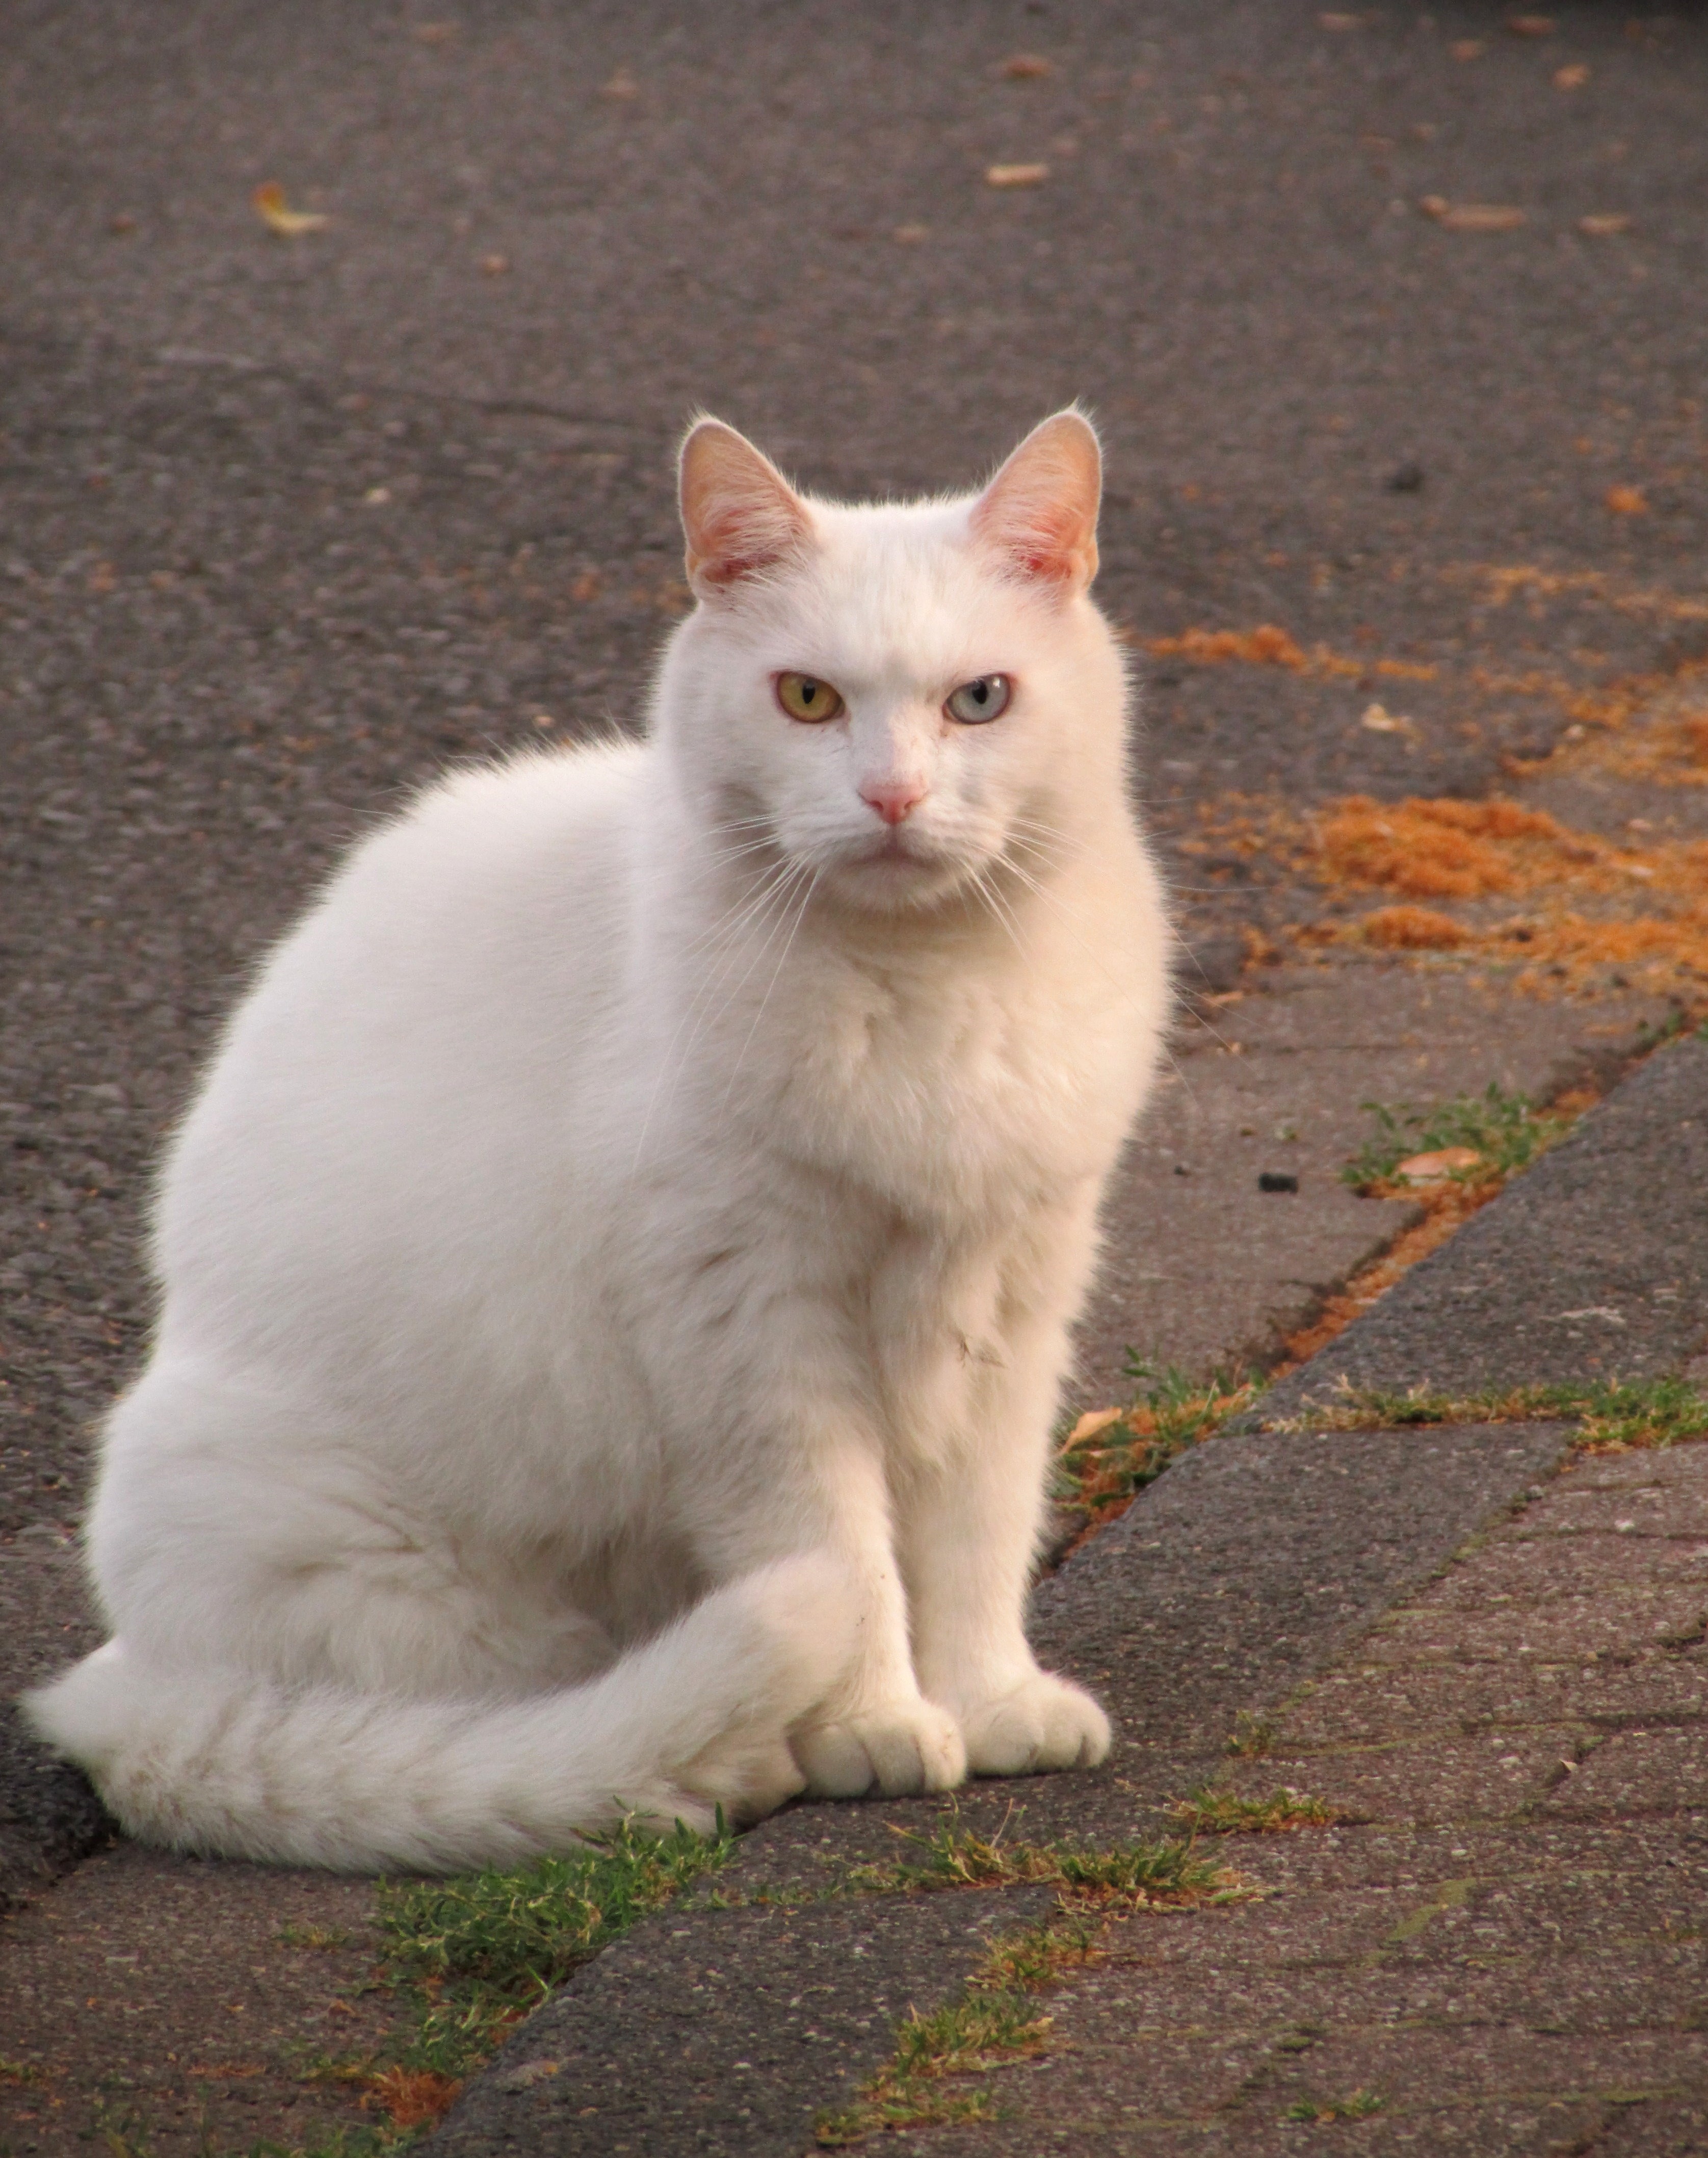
(286, 524)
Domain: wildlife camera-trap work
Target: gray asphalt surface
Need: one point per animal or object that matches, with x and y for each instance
(224, 651)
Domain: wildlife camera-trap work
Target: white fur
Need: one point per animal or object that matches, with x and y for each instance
(618, 1271)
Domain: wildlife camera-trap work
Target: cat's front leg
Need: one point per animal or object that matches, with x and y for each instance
(969, 1537)
(879, 1733)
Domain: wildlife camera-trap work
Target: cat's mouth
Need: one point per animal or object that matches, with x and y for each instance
(899, 848)
(900, 866)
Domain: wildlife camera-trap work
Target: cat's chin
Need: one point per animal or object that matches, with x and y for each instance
(894, 882)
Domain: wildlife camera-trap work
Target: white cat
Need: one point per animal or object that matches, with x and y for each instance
(617, 1274)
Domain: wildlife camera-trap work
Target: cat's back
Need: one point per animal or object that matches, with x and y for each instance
(493, 874)
(453, 976)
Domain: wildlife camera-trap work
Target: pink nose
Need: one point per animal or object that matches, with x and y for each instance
(893, 798)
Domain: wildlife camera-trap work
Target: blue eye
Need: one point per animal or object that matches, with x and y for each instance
(975, 702)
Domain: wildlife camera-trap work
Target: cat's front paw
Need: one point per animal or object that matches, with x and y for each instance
(895, 1750)
(1045, 1723)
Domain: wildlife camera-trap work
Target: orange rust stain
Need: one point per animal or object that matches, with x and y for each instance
(1670, 746)
(1502, 582)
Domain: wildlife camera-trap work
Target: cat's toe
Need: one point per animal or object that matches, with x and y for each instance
(1046, 1722)
(895, 1751)
(745, 1780)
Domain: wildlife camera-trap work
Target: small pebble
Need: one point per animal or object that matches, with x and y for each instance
(1277, 1179)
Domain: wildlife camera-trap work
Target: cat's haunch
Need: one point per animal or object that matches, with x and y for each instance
(618, 1273)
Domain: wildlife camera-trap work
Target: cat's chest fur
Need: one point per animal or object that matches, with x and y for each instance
(957, 1080)
(958, 1092)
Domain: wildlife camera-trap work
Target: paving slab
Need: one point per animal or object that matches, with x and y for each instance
(1276, 1078)
(206, 1995)
(1238, 1576)
(1593, 1266)
(1228, 1583)
(1518, 1967)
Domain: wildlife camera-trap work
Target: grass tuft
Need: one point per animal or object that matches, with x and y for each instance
(1356, 2105)
(1252, 1736)
(1211, 1811)
(1614, 1416)
(1130, 1876)
(1505, 1132)
(483, 1951)
(322, 1937)
(343, 2142)
(996, 2021)
(1110, 1455)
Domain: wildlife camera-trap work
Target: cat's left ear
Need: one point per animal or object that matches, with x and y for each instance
(740, 515)
(1039, 516)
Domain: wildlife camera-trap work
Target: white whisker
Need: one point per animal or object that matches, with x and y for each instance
(783, 960)
(724, 938)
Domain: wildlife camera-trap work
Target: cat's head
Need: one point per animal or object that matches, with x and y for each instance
(896, 696)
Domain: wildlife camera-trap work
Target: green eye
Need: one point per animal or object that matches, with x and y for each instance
(805, 697)
(975, 702)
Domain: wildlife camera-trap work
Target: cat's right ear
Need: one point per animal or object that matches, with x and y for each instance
(739, 516)
(1039, 516)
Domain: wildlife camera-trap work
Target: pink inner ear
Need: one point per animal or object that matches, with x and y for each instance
(1045, 541)
(740, 515)
(1039, 514)
(738, 543)
(1051, 547)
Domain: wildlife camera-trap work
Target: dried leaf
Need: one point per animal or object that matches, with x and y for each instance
(1570, 78)
(1341, 22)
(1016, 176)
(1381, 721)
(1472, 217)
(1436, 1168)
(622, 87)
(1028, 67)
(277, 215)
(494, 266)
(910, 236)
(1603, 227)
(1627, 501)
(1530, 26)
(1089, 1424)
(1467, 49)
(435, 33)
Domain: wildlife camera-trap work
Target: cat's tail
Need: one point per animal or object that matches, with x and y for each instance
(695, 1720)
